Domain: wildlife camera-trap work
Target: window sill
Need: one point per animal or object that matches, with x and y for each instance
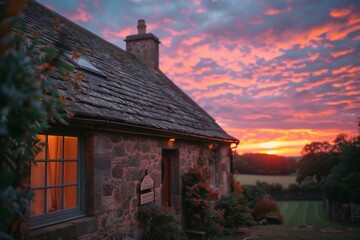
(66, 230)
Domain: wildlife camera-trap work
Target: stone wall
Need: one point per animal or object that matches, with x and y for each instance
(120, 163)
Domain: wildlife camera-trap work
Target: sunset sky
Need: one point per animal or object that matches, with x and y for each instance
(276, 74)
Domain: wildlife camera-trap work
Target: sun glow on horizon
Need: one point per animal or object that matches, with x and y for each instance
(271, 152)
(283, 148)
(271, 144)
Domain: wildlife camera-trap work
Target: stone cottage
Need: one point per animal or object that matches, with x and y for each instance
(130, 122)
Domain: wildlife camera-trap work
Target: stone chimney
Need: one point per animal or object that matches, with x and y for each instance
(145, 46)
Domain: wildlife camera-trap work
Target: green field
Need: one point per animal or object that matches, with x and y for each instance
(306, 213)
(278, 232)
(303, 220)
(251, 179)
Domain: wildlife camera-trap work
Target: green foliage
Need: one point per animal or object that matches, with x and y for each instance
(293, 187)
(253, 194)
(29, 99)
(236, 210)
(336, 167)
(270, 187)
(316, 161)
(343, 183)
(198, 201)
(161, 223)
(310, 184)
(266, 207)
(352, 184)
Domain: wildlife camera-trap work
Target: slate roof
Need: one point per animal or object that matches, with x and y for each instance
(132, 93)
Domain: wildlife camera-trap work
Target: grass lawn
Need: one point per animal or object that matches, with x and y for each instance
(303, 220)
(309, 213)
(278, 232)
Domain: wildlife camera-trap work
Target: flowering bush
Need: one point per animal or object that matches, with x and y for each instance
(199, 200)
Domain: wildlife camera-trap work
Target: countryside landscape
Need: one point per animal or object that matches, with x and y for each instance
(179, 120)
(301, 200)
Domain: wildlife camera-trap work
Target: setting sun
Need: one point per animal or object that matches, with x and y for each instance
(271, 152)
(270, 144)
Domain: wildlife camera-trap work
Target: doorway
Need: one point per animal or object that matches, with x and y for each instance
(170, 191)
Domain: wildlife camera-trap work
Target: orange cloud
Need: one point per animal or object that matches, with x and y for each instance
(340, 70)
(341, 53)
(274, 11)
(340, 13)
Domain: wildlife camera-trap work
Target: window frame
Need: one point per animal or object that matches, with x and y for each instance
(64, 215)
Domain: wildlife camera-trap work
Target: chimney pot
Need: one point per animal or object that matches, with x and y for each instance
(141, 26)
(145, 46)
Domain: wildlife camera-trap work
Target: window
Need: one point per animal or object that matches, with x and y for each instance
(83, 63)
(56, 181)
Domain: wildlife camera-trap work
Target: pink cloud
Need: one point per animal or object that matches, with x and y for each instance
(200, 10)
(271, 80)
(82, 14)
(115, 35)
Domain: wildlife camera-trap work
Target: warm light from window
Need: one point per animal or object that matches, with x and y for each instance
(172, 139)
(54, 177)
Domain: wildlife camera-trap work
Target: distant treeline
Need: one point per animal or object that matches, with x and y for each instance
(265, 164)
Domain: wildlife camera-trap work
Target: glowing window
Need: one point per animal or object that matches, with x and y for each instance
(55, 178)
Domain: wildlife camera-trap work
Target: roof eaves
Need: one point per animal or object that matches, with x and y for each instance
(100, 122)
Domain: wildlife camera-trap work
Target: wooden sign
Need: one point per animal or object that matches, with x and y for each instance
(146, 198)
(147, 190)
(146, 183)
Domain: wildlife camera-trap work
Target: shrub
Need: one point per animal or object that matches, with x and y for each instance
(309, 184)
(236, 210)
(253, 194)
(161, 223)
(264, 207)
(352, 183)
(293, 187)
(238, 189)
(198, 201)
(270, 188)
